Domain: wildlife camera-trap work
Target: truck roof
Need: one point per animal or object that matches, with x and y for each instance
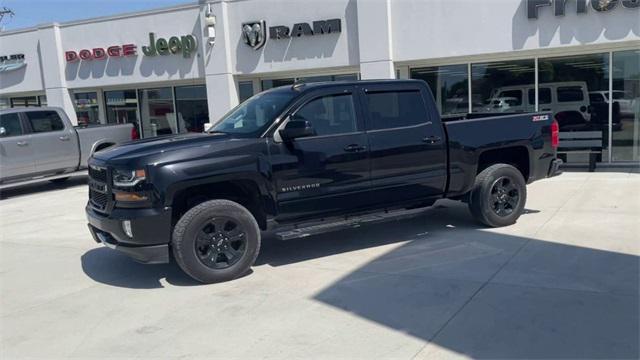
(302, 86)
(31, 108)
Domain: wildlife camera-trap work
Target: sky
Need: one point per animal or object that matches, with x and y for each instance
(33, 12)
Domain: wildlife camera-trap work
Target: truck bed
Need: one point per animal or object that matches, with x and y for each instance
(472, 134)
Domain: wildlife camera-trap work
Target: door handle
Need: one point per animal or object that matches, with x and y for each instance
(432, 139)
(22, 143)
(354, 148)
(64, 138)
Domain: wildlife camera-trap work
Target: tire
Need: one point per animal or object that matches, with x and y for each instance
(199, 242)
(487, 202)
(59, 180)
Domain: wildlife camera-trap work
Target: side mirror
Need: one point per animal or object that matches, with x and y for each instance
(3, 131)
(296, 128)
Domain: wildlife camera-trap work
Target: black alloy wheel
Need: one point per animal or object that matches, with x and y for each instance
(217, 240)
(498, 195)
(505, 196)
(220, 243)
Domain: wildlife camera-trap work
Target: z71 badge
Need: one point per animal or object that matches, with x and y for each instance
(540, 118)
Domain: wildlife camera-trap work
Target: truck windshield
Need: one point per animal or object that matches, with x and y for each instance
(253, 116)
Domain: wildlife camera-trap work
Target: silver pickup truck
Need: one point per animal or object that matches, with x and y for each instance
(41, 144)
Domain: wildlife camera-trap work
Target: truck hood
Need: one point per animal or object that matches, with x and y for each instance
(148, 149)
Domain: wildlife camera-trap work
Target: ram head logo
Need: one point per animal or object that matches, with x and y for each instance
(254, 34)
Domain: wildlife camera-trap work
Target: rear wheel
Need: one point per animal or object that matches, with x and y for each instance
(216, 241)
(498, 195)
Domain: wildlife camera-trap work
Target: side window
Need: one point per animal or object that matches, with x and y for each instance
(329, 115)
(44, 121)
(544, 96)
(392, 109)
(11, 124)
(570, 93)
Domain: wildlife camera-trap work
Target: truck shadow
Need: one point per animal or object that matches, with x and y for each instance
(443, 279)
(112, 268)
(42, 186)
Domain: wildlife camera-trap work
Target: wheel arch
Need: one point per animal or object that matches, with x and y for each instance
(248, 191)
(518, 156)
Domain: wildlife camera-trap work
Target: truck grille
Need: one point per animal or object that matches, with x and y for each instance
(98, 200)
(98, 173)
(99, 192)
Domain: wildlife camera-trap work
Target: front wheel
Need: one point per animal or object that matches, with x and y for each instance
(216, 241)
(498, 195)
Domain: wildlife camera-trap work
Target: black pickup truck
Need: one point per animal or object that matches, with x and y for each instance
(299, 158)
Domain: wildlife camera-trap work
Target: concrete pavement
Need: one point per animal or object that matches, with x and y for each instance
(561, 283)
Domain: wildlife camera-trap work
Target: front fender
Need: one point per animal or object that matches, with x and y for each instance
(171, 179)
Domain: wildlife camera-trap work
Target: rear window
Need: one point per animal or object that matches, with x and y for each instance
(393, 109)
(44, 121)
(11, 124)
(570, 93)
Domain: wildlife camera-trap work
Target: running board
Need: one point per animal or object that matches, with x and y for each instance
(41, 178)
(335, 224)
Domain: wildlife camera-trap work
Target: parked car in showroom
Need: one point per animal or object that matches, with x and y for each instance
(41, 144)
(568, 98)
(624, 100)
(308, 158)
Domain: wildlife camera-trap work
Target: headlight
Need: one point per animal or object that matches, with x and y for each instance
(128, 178)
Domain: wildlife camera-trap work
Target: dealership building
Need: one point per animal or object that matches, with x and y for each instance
(174, 70)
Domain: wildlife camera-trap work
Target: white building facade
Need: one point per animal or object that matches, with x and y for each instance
(173, 70)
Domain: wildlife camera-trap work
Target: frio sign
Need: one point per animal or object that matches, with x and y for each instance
(533, 6)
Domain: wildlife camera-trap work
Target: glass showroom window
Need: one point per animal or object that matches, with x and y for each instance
(626, 106)
(503, 87)
(269, 84)
(575, 83)
(87, 110)
(25, 101)
(193, 110)
(121, 106)
(245, 90)
(157, 114)
(449, 85)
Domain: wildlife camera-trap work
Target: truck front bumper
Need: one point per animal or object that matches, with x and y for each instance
(151, 232)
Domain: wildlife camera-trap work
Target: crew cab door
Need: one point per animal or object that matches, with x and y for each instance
(16, 152)
(406, 141)
(55, 143)
(325, 173)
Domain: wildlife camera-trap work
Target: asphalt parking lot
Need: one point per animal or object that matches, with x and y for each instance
(561, 283)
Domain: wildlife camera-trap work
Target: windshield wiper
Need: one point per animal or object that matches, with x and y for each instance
(217, 132)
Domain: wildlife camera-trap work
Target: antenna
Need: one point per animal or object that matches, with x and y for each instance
(298, 84)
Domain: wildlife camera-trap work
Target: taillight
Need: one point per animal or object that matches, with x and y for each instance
(555, 134)
(134, 134)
